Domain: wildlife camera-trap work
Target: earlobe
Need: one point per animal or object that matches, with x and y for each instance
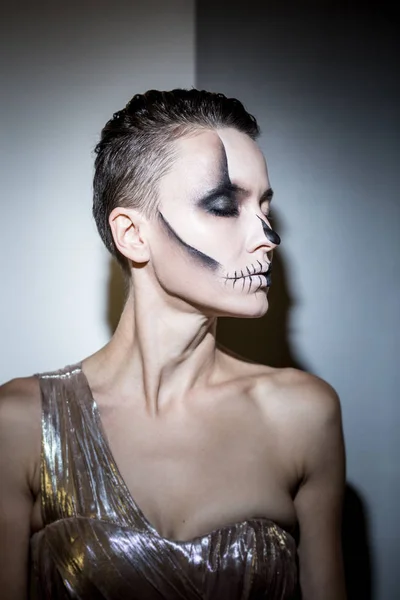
(127, 228)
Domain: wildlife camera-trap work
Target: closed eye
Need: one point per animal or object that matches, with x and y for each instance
(224, 208)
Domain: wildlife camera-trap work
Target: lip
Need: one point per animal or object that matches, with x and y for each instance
(267, 275)
(266, 272)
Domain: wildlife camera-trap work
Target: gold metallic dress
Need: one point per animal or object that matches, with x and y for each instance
(97, 544)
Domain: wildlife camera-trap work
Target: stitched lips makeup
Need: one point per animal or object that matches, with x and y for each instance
(251, 277)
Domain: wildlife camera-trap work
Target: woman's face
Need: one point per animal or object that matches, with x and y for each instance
(211, 244)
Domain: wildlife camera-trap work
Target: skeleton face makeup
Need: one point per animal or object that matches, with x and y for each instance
(214, 240)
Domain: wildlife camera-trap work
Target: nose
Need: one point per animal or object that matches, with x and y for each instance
(269, 233)
(262, 238)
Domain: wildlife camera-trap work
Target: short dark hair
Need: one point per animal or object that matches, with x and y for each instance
(136, 148)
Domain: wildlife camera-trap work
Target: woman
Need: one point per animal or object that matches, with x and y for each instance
(168, 467)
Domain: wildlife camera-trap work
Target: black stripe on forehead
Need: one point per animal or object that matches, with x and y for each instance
(204, 259)
(223, 166)
(223, 186)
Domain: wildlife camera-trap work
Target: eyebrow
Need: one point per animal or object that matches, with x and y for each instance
(228, 189)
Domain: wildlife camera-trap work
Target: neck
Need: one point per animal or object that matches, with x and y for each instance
(158, 350)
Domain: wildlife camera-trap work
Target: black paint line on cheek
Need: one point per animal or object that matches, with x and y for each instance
(270, 234)
(205, 260)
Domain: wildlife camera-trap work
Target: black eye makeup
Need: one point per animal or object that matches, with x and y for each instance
(221, 201)
(223, 207)
(227, 205)
(225, 198)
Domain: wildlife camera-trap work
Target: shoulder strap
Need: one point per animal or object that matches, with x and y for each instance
(78, 474)
(57, 485)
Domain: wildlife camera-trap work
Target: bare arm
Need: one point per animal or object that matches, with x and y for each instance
(319, 499)
(18, 442)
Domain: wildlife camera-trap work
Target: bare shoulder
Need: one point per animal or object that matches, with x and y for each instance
(20, 426)
(288, 392)
(297, 394)
(306, 412)
(20, 439)
(19, 395)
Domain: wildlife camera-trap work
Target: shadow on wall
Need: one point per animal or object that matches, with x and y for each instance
(266, 341)
(356, 547)
(116, 294)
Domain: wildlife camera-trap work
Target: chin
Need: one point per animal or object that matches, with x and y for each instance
(252, 306)
(223, 303)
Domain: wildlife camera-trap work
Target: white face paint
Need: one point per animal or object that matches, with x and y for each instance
(212, 241)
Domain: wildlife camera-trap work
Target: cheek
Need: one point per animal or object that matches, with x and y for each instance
(184, 279)
(220, 238)
(176, 267)
(224, 244)
(200, 242)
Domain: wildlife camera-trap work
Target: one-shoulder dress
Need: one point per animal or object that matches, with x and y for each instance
(97, 544)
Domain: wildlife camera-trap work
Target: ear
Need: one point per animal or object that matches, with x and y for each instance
(128, 228)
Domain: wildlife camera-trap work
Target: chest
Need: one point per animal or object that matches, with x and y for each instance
(194, 474)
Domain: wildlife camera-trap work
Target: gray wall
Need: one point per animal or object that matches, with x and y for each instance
(325, 88)
(66, 68)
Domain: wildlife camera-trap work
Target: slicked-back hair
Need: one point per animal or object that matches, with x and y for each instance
(136, 148)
